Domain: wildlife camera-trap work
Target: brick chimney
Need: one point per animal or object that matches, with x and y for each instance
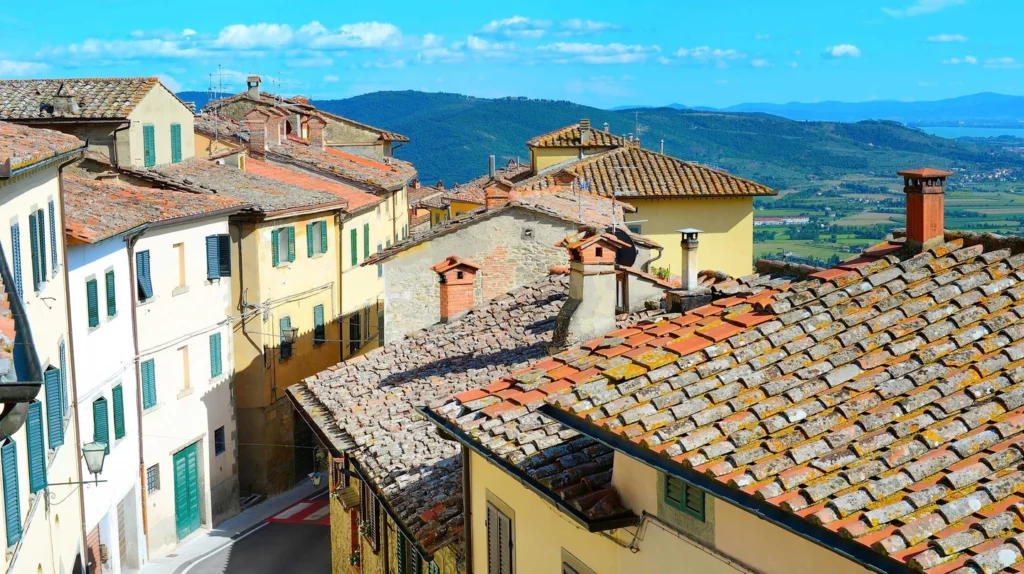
(252, 87)
(276, 126)
(689, 243)
(316, 126)
(590, 310)
(496, 195)
(301, 100)
(925, 189)
(585, 134)
(256, 119)
(457, 286)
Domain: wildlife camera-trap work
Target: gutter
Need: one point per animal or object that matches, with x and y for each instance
(57, 159)
(847, 548)
(116, 131)
(130, 241)
(529, 482)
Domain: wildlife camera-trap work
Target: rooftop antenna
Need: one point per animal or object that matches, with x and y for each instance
(638, 128)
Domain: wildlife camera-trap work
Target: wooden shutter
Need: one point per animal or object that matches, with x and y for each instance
(416, 559)
(323, 236)
(499, 541)
(33, 238)
(355, 247)
(149, 145)
(212, 257)
(685, 497)
(63, 377)
(401, 553)
(224, 254)
(366, 240)
(53, 235)
(16, 256)
(215, 356)
(175, 143)
(41, 223)
(309, 239)
(291, 243)
(275, 246)
(12, 497)
(148, 384)
(286, 348)
(54, 410)
(319, 332)
(101, 423)
(92, 297)
(142, 274)
(36, 448)
(380, 266)
(375, 523)
(111, 294)
(118, 396)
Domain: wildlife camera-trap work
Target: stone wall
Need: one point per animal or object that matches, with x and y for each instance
(514, 248)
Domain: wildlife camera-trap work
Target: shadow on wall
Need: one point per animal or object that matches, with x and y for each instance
(223, 479)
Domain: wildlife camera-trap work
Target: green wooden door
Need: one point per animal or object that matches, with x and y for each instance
(186, 491)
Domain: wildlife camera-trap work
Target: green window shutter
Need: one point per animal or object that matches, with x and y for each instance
(148, 384)
(149, 145)
(323, 236)
(309, 239)
(111, 295)
(286, 348)
(215, 356)
(36, 449)
(212, 257)
(33, 239)
(433, 568)
(142, 274)
(401, 554)
(291, 243)
(417, 561)
(16, 256)
(275, 246)
(380, 267)
(355, 247)
(366, 240)
(63, 380)
(118, 396)
(175, 143)
(92, 296)
(101, 423)
(54, 412)
(53, 235)
(41, 223)
(685, 497)
(224, 254)
(12, 497)
(319, 331)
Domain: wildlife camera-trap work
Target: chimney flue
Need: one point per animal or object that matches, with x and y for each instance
(590, 310)
(607, 128)
(257, 122)
(925, 189)
(491, 171)
(689, 243)
(458, 280)
(316, 126)
(252, 84)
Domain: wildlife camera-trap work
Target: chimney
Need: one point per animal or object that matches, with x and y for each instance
(925, 189)
(590, 310)
(457, 286)
(64, 102)
(256, 119)
(301, 100)
(689, 270)
(585, 132)
(416, 183)
(607, 128)
(495, 196)
(275, 126)
(316, 125)
(253, 87)
(490, 166)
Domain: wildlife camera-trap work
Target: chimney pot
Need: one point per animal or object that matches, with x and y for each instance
(458, 278)
(585, 123)
(925, 189)
(496, 196)
(607, 128)
(316, 126)
(253, 87)
(490, 166)
(689, 242)
(590, 310)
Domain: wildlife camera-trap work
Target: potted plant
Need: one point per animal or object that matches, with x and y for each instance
(353, 559)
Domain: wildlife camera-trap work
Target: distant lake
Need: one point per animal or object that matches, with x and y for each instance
(962, 132)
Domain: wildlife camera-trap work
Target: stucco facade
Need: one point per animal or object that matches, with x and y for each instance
(52, 537)
(192, 406)
(104, 358)
(362, 287)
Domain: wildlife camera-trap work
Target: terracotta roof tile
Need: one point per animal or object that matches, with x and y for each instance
(94, 98)
(571, 136)
(387, 174)
(356, 199)
(22, 146)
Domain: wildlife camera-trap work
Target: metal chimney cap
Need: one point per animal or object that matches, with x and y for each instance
(689, 230)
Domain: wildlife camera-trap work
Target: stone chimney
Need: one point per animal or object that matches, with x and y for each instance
(457, 286)
(496, 195)
(64, 101)
(256, 119)
(607, 128)
(585, 134)
(689, 243)
(491, 171)
(590, 310)
(925, 189)
(252, 87)
(276, 126)
(316, 126)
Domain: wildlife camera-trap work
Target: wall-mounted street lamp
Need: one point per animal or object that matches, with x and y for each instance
(319, 456)
(94, 453)
(289, 335)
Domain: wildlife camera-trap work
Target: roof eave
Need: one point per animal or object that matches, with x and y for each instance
(44, 163)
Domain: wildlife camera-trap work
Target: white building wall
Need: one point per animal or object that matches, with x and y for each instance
(51, 541)
(160, 108)
(172, 319)
(104, 358)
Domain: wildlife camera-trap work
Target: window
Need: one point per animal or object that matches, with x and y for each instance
(175, 143)
(355, 333)
(16, 256)
(218, 256)
(369, 509)
(282, 242)
(401, 553)
(354, 244)
(111, 294)
(12, 498)
(380, 266)
(54, 411)
(118, 397)
(500, 545)
(100, 423)
(380, 324)
(216, 367)
(316, 238)
(319, 330)
(366, 240)
(682, 495)
(186, 381)
(634, 228)
(37, 238)
(63, 378)
(148, 384)
(149, 145)
(433, 568)
(53, 237)
(180, 248)
(92, 296)
(219, 446)
(36, 448)
(145, 284)
(573, 565)
(153, 478)
(286, 348)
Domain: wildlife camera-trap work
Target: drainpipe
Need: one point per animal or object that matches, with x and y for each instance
(120, 129)
(340, 220)
(130, 241)
(467, 512)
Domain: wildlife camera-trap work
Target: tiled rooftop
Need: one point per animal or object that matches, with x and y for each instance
(8, 333)
(373, 399)
(570, 136)
(473, 190)
(881, 400)
(94, 98)
(356, 199)
(22, 146)
(96, 209)
(221, 126)
(387, 174)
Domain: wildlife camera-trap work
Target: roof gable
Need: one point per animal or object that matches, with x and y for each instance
(89, 98)
(572, 136)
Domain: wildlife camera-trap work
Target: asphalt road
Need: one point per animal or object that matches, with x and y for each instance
(272, 548)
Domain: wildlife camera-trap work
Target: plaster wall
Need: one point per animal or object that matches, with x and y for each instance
(160, 108)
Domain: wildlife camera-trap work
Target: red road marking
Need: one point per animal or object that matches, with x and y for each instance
(305, 512)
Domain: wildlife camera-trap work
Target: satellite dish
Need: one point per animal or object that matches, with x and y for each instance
(625, 256)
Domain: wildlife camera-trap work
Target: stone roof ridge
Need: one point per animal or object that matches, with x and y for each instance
(774, 267)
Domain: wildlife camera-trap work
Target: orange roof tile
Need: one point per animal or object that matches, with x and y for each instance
(22, 146)
(357, 199)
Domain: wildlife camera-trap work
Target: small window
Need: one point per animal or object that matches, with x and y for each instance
(175, 143)
(634, 228)
(186, 380)
(500, 543)
(283, 245)
(12, 495)
(219, 446)
(316, 238)
(319, 330)
(148, 383)
(355, 333)
(92, 302)
(682, 495)
(216, 363)
(153, 478)
(599, 251)
(145, 283)
(149, 145)
(180, 249)
(101, 423)
(117, 394)
(111, 294)
(16, 256)
(285, 347)
(53, 237)
(218, 256)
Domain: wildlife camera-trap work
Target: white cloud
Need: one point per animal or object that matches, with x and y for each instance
(842, 51)
(385, 64)
(970, 60)
(243, 37)
(587, 53)
(188, 33)
(763, 37)
(794, 65)
(137, 34)
(578, 27)
(310, 62)
(946, 38)
(15, 68)
(358, 35)
(1004, 63)
(707, 54)
(431, 41)
(477, 44)
(171, 84)
(760, 63)
(127, 49)
(797, 53)
(330, 79)
(517, 27)
(921, 7)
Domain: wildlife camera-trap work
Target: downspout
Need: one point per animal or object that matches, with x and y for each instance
(646, 267)
(130, 242)
(394, 217)
(120, 129)
(340, 221)
(467, 512)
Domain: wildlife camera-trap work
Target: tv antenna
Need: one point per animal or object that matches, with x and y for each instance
(639, 129)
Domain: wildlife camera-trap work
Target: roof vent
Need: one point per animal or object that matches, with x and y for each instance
(64, 101)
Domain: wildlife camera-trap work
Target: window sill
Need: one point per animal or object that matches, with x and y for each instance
(317, 255)
(185, 392)
(179, 291)
(283, 264)
(146, 411)
(146, 301)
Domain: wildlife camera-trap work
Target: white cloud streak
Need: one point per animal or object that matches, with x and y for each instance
(17, 69)
(969, 60)
(1004, 63)
(517, 27)
(921, 7)
(588, 53)
(842, 51)
(243, 37)
(946, 38)
(358, 35)
(578, 27)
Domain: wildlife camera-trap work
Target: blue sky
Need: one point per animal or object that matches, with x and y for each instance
(596, 52)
